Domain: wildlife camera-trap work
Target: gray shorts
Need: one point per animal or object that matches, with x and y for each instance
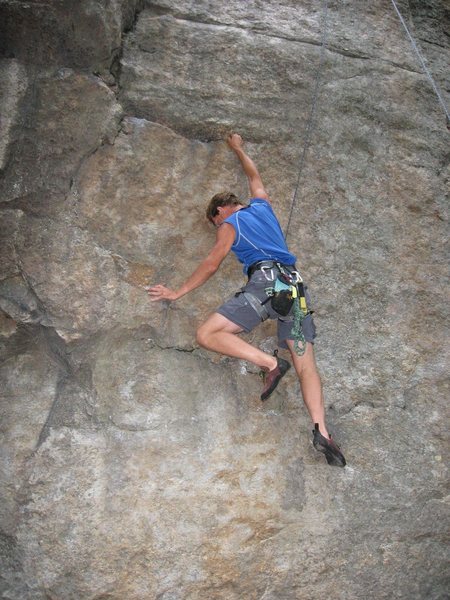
(238, 310)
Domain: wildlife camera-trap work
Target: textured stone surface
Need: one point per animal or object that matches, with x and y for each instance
(136, 465)
(29, 373)
(84, 36)
(173, 72)
(66, 116)
(13, 84)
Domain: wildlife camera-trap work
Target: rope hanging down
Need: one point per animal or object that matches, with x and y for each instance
(422, 62)
(310, 123)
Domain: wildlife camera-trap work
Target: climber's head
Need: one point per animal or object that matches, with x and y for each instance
(221, 200)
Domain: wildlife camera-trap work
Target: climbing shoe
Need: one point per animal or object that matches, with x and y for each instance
(328, 447)
(272, 378)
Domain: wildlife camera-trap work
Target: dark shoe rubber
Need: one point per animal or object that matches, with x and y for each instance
(272, 378)
(328, 447)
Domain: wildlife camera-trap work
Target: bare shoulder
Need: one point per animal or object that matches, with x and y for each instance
(224, 240)
(258, 191)
(225, 233)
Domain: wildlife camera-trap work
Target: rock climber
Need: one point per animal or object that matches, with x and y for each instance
(253, 233)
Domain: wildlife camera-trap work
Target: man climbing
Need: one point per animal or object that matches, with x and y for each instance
(253, 233)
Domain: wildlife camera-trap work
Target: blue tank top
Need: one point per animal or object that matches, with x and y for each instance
(258, 235)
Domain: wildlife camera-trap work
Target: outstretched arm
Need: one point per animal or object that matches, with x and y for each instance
(255, 183)
(205, 270)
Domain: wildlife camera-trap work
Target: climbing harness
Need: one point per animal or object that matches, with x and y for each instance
(283, 296)
(289, 294)
(257, 305)
(287, 297)
(416, 49)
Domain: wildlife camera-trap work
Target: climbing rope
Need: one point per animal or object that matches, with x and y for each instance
(298, 313)
(422, 62)
(297, 330)
(311, 119)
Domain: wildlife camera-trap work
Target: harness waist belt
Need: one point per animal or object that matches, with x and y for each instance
(265, 263)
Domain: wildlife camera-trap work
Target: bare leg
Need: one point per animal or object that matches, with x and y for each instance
(219, 334)
(310, 384)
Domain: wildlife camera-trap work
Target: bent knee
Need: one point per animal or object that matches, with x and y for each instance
(202, 335)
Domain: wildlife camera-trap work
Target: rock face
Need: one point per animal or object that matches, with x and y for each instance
(137, 466)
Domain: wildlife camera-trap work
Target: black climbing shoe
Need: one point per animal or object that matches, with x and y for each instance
(272, 378)
(328, 447)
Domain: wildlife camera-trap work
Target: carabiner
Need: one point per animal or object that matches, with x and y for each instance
(298, 277)
(272, 276)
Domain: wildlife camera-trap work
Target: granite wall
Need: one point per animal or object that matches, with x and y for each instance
(137, 466)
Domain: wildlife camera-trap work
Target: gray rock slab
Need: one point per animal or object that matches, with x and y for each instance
(177, 491)
(173, 72)
(29, 379)
(70, 274)
(64, 117)
(358, 31)
(13, 84)
(85, 36)
(135, 465)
